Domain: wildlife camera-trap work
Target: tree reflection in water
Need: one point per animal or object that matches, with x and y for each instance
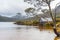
(57, 38)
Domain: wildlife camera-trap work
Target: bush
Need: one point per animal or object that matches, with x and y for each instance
(28, 22)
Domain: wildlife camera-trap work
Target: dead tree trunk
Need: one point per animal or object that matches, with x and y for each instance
(55, 31)
(54, 22)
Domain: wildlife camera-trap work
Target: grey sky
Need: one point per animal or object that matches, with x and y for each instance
(11, 7)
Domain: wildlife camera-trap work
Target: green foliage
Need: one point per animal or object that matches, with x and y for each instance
(29, 10)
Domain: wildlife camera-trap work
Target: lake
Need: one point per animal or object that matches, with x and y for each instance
(10, 31)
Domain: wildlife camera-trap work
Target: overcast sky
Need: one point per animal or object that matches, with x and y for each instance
(11, 7)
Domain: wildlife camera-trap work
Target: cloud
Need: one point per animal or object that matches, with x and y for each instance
(11, 7)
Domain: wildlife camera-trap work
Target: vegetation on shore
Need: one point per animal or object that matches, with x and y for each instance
(37, 23)
(46, 26)
(28, 22)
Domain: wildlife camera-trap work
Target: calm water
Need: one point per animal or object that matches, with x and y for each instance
(10, 31)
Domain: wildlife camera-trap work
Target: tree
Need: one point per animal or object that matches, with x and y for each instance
(38, 5)
(30, 11)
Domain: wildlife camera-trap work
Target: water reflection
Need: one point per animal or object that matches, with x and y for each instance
(57, 38)
(10, 31)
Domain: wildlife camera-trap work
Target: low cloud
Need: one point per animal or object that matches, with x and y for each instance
(11, 7)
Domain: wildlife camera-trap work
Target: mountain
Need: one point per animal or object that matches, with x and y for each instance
(6, 19)
(19, 16)
(57, 11)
